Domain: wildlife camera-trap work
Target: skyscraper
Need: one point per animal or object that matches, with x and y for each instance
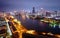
(33, 11)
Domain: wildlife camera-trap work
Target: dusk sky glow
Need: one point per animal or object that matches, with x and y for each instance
(11, 5)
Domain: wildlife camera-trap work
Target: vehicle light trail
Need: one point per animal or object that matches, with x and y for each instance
(20, 28)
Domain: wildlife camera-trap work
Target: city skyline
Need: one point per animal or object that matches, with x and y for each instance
(12, 5)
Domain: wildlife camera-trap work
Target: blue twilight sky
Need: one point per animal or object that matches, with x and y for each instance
(11, 5)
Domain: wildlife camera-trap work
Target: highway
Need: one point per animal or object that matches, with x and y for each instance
(38, 26)
(23, 28)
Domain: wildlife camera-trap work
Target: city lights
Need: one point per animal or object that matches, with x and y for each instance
(30, 19)
(31, 31)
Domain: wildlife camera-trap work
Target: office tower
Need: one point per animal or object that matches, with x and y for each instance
(33, 11)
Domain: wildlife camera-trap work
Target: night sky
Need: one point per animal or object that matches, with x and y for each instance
(11, 5)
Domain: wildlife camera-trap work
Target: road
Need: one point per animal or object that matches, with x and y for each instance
(37, 25)
(32, 28)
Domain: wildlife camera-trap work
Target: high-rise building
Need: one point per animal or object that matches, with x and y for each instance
(48, 14)
(56, 13)
(33, 11)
